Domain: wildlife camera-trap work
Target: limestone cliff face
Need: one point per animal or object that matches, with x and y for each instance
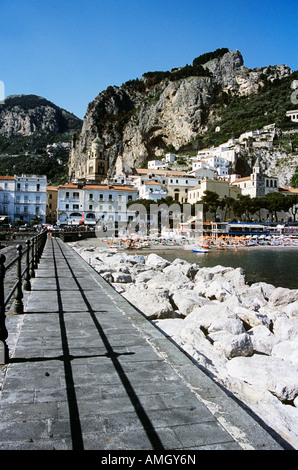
(141, 120)
(22, 115)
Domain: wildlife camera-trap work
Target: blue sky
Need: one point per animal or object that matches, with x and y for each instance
(68, 51)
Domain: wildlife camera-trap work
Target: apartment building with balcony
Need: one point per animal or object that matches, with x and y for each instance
(23, 198)
(90, 204)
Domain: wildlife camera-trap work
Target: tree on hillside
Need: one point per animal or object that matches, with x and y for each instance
(242, 206)
(292, 203)
(211, 202)
(275, 202)
(226, 205)
(294, 180)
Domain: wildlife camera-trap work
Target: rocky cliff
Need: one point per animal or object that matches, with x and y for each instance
(23, 115)
(28, 123)
(143, 119)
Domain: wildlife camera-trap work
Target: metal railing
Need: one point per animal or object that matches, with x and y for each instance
(26, 262)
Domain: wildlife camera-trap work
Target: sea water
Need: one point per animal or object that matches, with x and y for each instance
(277, 266)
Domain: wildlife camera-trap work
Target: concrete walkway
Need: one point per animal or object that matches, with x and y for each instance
(89, 372)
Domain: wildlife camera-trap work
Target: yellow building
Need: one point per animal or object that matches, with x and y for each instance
(52, 204)
(221, 187)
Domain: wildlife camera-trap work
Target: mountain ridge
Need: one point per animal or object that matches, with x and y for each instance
(28, 124)
(143, 119)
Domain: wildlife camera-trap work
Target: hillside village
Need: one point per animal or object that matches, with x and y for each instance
(174, 178)
(91, 198)
(145, 142)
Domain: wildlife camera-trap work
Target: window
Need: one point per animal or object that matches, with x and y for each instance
(37, 187)
(90, 197)
(90, 207)
(75, 195)
(67, 194)
(75, 206)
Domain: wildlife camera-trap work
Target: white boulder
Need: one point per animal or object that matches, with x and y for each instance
(152, 303)
(210, 314)
(285, 328)
(156, 261)
(283, 296)
(262, 339)
(187, 300)
(232, 345)
(286, 350)
(270, 373)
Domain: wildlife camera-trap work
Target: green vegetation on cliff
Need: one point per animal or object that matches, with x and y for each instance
(239, 114)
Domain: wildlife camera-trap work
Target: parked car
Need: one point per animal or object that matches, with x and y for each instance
(23, 228)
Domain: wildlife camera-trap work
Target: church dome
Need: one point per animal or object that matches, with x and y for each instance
(97, 140)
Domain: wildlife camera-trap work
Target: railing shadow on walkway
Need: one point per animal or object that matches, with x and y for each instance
(33, 251)
(67, 358)
(74, 417)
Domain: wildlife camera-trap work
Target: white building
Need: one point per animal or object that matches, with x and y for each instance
(7, 187)
(175, 183)
(24, 198)
(216, 164)
(226, 151)
(157, 165)
(152, 190)
(293, 115)
(89, 204)
(170, 157)
(257, 184)
(179, 186)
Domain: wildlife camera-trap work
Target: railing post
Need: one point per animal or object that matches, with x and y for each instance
(18, 305)
(35, 263)
(27, 284)
(4, 352)
(39, 248)
(32, 272)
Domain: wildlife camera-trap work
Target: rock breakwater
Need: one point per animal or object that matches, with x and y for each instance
(244, 336)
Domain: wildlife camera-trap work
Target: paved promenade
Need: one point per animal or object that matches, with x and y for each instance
(89, 372)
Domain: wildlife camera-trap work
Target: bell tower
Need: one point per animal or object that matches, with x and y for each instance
(257, 179)
(97, 165)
